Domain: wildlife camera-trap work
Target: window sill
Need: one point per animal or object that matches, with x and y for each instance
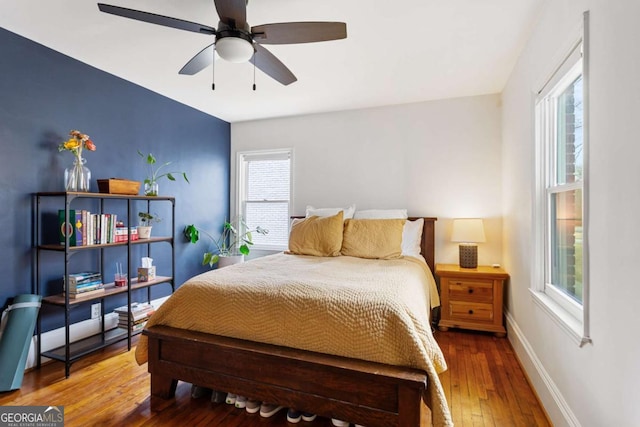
(573, 327)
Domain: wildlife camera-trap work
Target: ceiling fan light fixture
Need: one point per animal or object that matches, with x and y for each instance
(234, 49)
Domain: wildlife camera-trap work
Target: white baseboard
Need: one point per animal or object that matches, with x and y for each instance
(77, 331)
(560, 413)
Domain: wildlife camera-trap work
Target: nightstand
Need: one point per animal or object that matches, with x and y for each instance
(471, 298)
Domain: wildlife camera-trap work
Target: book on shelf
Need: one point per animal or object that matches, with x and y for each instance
(83, 282)
(135, 317)
(124, 323)
(88, 294)
(135, 307)
(84, 275)
(76, 279)
(79, 228)
(83, 217)
(134, 328)
(67, 226)
(86, 287)
(122, 233)
(139, 311)
(86, 228)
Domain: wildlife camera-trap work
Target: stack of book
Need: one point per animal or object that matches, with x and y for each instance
(84, 285)
(122, 233)
(140, 313)
(85, 228)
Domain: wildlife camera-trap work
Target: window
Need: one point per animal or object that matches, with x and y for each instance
(560, 280)
(264, 195)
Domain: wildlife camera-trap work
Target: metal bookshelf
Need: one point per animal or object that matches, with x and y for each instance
(72, 351)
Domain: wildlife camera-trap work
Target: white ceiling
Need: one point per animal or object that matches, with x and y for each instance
(395, 52)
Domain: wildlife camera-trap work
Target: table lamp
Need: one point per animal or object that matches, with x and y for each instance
(468, 231)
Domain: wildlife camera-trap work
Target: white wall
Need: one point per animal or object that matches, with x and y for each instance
(438, 158)
(595, 385)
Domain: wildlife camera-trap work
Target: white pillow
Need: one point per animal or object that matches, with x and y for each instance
(411, 237)
(322, 212)
(381, 214)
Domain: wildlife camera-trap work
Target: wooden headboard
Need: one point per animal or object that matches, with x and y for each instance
(428, 239)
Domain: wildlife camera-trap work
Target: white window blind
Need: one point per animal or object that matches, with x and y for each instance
(264, 197)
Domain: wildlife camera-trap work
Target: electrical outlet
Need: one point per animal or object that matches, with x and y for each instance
(95, 311)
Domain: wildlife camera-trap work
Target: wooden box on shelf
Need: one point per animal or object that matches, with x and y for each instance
(118, 186)
(471, 298)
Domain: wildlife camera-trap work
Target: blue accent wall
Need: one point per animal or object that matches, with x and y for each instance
(45, 94)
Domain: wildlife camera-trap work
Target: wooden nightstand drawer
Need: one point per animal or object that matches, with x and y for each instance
(471, 311)
(471, 290)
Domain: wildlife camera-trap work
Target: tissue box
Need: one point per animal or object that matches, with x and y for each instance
(146, 274)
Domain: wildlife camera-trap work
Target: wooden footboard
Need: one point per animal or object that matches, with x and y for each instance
(367, 393)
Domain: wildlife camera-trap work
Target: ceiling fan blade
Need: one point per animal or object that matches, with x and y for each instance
(202, 60)
(272, 66)
(299, 32)
(232, 12)
(156, 19)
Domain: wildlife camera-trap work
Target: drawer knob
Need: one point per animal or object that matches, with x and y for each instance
(470, 311)
(471, 290)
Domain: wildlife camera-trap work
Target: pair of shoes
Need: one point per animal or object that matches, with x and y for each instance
(308, 416)
(241, 402)
(218, 396)
(339, 423)
(253, 406)
(197, 392)
(269, 409)
(231, 399)
(294, 416)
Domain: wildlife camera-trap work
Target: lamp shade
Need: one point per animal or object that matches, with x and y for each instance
(234, 49)
(468, 230)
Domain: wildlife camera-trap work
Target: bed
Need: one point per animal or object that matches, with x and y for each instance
(370, 384)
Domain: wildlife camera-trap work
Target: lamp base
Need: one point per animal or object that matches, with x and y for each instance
(468, 255)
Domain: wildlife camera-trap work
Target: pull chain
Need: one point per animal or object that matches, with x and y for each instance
(213, 69)
(254, 71)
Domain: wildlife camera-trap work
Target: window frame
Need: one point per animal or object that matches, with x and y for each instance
(242, 157)
(572, 316)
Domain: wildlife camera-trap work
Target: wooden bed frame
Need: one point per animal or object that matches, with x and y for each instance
(362, 392)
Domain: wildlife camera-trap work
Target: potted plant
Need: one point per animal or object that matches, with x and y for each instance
(151, 181)
(232, 244)
(146, 222)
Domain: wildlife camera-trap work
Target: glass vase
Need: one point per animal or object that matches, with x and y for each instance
(78, 176)
(151, 188)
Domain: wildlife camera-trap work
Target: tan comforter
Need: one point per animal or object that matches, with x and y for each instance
(375, 310)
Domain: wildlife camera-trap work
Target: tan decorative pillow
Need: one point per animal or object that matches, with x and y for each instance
(373, 238)
(317, 236)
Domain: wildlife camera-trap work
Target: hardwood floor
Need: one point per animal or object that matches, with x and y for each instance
(485, 386)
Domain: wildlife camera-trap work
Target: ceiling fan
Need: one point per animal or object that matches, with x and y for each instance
(235, 41)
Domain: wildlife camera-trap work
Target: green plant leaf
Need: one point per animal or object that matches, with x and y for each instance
(210, 259)
(170, 177)
(206, 258)
(191, 233)
(244, 250)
